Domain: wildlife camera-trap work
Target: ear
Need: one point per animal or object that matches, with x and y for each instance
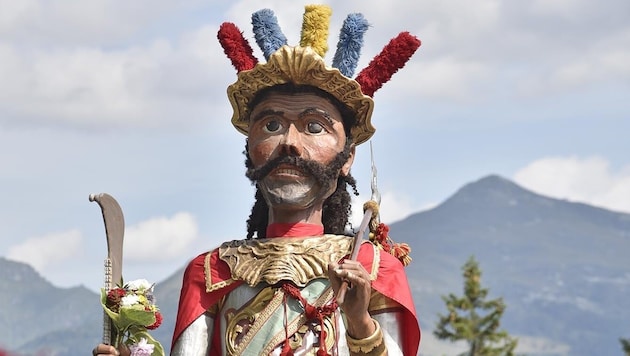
(345, 169)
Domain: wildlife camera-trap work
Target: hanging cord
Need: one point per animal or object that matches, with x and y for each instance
(312, 313)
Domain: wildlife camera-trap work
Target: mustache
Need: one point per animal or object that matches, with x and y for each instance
(322, 173)
(307, 166)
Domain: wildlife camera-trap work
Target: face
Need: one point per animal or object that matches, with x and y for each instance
(290, 136)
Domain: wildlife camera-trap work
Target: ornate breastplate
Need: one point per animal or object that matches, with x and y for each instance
(299, 260)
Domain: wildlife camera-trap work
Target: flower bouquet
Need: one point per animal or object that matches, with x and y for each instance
(133, 312)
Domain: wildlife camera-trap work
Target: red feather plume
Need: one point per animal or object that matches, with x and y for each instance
(389, 61)
(236, 47)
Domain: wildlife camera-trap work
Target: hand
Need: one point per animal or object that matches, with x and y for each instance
(105, 350)
(357, 301)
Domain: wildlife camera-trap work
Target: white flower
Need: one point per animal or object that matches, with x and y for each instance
(142, 348)
(129, 300)
(139, 284)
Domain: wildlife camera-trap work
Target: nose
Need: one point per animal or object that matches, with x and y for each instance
(291, 143)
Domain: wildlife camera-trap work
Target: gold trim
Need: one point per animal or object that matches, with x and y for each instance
(301, 66)
(258, 312)
(370, 345)
(379, 303)
(210, 286)
(299, 260)
(376, 261)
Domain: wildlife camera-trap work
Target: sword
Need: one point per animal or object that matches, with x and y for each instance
(114, 232)
(367, 216)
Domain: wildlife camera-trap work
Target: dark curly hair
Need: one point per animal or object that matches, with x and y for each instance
(337, 207)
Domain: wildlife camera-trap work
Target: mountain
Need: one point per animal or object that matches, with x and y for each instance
(561, 268)
(40, 319)
(37, 317)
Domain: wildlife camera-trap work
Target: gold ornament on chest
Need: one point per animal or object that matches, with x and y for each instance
(298, 260)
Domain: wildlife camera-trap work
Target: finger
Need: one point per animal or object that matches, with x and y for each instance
(334, 276)
(103, 349)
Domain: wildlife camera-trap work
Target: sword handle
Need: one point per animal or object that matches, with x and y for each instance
(107, 323)
(358, 239)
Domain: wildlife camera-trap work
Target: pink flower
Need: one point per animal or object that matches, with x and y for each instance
(142, 348)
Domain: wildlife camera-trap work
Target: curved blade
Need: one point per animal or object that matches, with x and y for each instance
(114, 231)
(376, 195)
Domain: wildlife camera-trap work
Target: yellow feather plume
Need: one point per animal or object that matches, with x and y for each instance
(315, 28)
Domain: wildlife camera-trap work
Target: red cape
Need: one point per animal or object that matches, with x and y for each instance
(391, 282)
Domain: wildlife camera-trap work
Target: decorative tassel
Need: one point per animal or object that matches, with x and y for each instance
(236, 47)
(380, 237)
(389, 61)
(267, 32)
(350, 44)
(401, 251)
(315, 24)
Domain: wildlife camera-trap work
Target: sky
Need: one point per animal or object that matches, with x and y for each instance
(129, 98)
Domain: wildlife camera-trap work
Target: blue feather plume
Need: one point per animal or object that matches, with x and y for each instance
(267, 32)
(350, 43)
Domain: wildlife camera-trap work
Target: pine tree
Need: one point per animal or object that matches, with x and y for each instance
(474, 319)
(625, 344)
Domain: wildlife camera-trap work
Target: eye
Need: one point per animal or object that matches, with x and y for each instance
(315, 127)
(272, 126)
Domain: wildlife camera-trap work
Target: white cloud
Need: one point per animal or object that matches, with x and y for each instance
(447, 77)
(154, 85)
(41, 252)
(608, 59)
(588, 180)
(15, 13)
(80, 22)
(100, 69)
(161, 238)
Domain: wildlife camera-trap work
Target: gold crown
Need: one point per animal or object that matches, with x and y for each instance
(301, 66)
(304, 64)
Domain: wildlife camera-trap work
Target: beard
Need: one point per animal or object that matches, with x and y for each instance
(320, 181)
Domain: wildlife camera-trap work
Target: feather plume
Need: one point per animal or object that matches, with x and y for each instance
(315, 24)
(350, 43)
(389, 61)
(267, 32)
(236, 47)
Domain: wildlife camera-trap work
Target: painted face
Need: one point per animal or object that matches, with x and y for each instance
(293, 139)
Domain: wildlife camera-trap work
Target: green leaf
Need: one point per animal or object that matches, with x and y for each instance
(132, 316)
(114, 316)
(128, 316)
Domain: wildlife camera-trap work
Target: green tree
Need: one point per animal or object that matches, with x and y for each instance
(474, 319)
(625, 344)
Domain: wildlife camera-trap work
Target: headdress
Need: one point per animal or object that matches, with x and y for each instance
(304, 64)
